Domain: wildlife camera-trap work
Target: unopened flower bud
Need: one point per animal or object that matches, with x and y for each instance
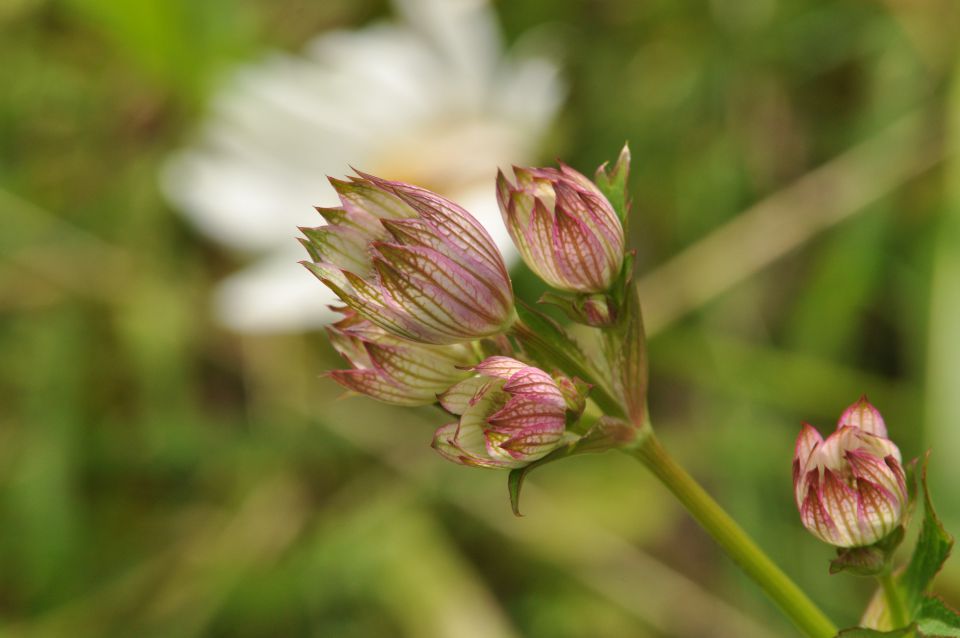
(394, 370)
(565, 229)
(510, 415)
(850, 488)
(411, 262)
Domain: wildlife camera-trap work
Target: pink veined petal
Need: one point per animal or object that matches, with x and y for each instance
(580, 259)
(429, 372)
(373, 384)
(452, 222)
(864, 416)
(840, 500)
(877, 513)
(500, 367)
(807, 442)
(420, 233)
(867, 467)
(433, 289)
(538, 237)
(814, 515)
(521, 412)
(533, 443)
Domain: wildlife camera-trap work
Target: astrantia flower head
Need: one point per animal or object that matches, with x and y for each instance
(850, 488)
(413, 263)
(510, 415)
(391, 369)
(564, 228)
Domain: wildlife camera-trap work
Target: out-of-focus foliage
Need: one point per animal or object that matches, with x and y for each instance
(160, 476)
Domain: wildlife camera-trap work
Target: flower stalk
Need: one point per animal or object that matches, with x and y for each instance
(898, 613)
(734, 540)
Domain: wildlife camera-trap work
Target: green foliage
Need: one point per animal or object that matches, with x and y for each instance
(938, 620)
(931, 552)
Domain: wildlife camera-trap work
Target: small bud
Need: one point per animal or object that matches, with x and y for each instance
(564, 228)
(411, 262)
(391, 369)
(510, 415)
(850, 488)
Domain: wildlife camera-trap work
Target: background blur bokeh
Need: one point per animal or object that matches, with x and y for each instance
(797, 218)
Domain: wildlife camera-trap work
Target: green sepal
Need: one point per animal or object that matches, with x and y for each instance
(612, 183)
(871, 560)
(931, 552)
(606, 434)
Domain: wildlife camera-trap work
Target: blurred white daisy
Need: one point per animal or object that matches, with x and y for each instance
(430, 99)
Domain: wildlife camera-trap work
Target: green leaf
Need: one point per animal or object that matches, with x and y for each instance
(613, 183)
(860, 632)
(932, 550)
(937, 620)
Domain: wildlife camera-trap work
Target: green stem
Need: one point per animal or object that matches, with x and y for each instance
(898, 614)
(784, 592)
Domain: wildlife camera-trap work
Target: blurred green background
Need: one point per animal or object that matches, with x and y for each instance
(797, 218)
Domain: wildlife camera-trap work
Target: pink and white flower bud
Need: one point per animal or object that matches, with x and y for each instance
(510, 415)
(564, 228)
(850, 488)
(391, 369)
(411, 262)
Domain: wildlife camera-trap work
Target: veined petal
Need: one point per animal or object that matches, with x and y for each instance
(464, 445)
(863, 415)
(436, 290)
(375, 385)
(460, 396)
(815, 517)
(365, 196)
(342, 246)
(581, 259)
(500, 367)
(840, 500)
(450, 221)
(429, 371)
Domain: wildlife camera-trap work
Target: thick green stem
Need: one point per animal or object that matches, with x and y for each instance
(792, 601)
(898, 614)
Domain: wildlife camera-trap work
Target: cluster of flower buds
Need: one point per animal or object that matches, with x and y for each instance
(850, 488)
(425, 288)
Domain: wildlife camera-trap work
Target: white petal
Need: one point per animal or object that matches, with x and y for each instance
(274, 295)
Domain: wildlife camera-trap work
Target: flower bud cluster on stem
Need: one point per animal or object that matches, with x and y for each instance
(429, 317)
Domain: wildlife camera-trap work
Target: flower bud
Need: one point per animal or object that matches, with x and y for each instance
(391, 369)
(564, 228)
(510, 414)
(411, 262)
(850, 488)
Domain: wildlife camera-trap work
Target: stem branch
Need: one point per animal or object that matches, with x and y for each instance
(784, 592)
(898, 614)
